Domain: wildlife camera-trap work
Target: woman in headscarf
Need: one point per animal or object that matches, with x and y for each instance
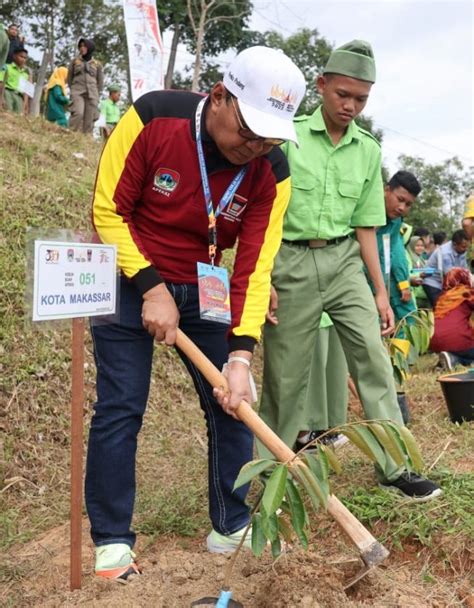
(416, 262)
(453, 336)
(56, 97)
(85, 79)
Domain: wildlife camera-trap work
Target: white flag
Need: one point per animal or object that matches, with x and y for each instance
(145, 46)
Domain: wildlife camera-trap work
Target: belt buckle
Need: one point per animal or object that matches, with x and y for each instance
(317, 243)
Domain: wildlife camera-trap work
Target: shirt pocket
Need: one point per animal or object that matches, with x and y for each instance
(306, 190)
(349, 192)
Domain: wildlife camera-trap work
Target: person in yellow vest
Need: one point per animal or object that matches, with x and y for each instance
(14, 99)
(110, 110)
(85, 80)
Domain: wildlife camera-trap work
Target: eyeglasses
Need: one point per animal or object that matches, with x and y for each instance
(249, 135)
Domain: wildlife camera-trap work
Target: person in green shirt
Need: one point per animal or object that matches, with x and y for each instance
(15, 100)
(110, 109)
(337, 193)
(56, 97)
(400, 193)
(327, 393)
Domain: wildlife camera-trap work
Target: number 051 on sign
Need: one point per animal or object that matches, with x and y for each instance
(73, 280)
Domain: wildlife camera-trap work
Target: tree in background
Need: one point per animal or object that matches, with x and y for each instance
(206, 27)
(54, 26)
(445, 188)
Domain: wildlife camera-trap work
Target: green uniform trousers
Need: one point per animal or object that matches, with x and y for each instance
(13, 101)
(309, 281)
(327, 393)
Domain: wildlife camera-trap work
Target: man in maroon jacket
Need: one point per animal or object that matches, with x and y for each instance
(181, 178)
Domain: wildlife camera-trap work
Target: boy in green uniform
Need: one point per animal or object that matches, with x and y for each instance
(15, 101)
(110, 109)
(400, 193)
(336, 190)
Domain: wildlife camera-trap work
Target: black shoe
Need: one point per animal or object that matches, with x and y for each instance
(413, 486)
(333, 440)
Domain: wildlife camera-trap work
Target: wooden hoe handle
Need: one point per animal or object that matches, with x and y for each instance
(372, 552)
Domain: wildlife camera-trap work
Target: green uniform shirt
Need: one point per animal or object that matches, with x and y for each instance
(13, 74)
(110, 110)
(334, 188)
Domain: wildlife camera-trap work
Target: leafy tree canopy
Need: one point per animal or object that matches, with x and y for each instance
(446, 186)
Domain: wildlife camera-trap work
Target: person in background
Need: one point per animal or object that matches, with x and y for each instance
(4, 46)
(400, 193)
(336, 193)
(56, 97)
(85, 80)
(15, 41)
(439, 238)
(327, 393)
(424, 233)
(450, 255)
(15, 100)
(110, 109)
(416, 264)
(453, 334)
(181, 178)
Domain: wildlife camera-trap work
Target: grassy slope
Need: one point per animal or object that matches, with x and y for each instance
(43, 185)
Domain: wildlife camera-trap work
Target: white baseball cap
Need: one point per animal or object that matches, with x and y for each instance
(269, 87)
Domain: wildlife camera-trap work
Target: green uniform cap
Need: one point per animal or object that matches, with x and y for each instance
(354, 59)
(114, 88)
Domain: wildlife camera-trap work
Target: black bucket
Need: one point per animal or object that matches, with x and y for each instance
(458, 391)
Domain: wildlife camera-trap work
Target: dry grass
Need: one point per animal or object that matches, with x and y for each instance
(43, 185)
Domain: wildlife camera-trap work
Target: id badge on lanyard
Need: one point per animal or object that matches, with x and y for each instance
(213, 282)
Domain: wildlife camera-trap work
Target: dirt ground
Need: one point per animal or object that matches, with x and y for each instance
(178, 571)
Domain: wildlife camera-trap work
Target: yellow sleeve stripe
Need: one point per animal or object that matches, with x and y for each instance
(111, 227)
(258, 290)
(403, 285)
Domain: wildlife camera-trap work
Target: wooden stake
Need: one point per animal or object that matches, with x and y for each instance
(77, 404)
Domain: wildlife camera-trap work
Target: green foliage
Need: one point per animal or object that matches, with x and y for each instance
(445, 188)
(452, 514)
(282, 509)
(224, 30)
(416, 330)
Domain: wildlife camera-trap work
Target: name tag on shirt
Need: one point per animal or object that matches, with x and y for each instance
(214, 293)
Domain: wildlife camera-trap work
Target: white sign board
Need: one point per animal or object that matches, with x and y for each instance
(27, 87)
(145, 46)
(73, 280)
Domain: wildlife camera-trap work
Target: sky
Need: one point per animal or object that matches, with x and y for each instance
(423, 99)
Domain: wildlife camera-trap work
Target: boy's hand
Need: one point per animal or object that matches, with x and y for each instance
(405, 295)
(387, 318)
(272, 307)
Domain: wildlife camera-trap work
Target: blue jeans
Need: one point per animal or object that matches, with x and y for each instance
(463, 357)
(123, 354)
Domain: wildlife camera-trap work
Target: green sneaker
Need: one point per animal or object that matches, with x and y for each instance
(115, 561)
(221, 543)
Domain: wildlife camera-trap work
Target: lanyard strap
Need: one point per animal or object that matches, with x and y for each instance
(226, 197)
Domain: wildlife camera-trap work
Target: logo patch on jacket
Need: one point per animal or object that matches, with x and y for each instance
(165, 181)
(235, 208)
